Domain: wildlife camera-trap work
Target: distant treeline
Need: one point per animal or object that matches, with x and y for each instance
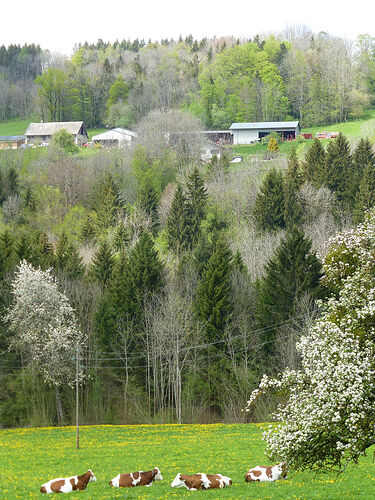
(315, 78)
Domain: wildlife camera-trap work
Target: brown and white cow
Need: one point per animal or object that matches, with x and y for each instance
(201, 481)
(139, 478)
(267, 474)
(68, 484)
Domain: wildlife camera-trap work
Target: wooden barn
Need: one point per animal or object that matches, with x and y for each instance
(248, 133)
(43, 132)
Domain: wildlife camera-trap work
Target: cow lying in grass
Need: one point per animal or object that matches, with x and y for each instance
(201, 481)
(267, 474)
(68, 484)
(139, 478)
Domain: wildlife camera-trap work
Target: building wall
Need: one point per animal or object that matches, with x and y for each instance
(245, 136)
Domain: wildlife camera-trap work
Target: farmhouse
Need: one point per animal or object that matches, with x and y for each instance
(43, 132)
(247, 133)
(115, 137)
(11, 141)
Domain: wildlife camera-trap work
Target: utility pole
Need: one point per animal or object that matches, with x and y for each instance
(77, 398)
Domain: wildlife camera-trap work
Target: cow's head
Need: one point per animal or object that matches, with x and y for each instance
(156, 474)
(177, 482)
(284, 469)
(92, 477)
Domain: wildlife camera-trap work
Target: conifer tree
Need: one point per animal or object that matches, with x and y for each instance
(365, 198)
(67, 258)
(148, 201)
(121, 237)
(6, 253)
(45, 251)
(289, 274)
(143, 278)
(363, 156)
(2, 190)
(24, 248)
(314, 165)
(270, 202)
(196, 195)
(102, 264)
(12, 182)
(106, 201)
(178, 224)
(88, 230)
(213, 299)
(273, 146)
(338, 168)
(292, 183)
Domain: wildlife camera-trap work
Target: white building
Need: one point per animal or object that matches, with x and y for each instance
(116, 137)
(247, 133)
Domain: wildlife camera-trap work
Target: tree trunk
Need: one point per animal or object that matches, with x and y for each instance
(59, 408)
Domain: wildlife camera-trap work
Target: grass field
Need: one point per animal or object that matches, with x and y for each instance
(30, 457)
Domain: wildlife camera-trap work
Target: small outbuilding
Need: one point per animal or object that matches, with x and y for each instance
(247, 133)
(116, 137)
(11, 141)
(43, 132)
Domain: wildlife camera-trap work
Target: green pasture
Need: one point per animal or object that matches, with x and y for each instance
(30, 457)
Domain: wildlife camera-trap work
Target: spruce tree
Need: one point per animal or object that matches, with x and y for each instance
(106, 201)
(292, 183)
(363, 156)
(289, 274)
(2, 188)
(102, 264)
(339, 165)
(270, 202)
(314, 164)
(6, 253)
(12, 182)
(144, 277)
(196, 195)
(365, 198)
(122, 236)
(178, 224)
(88, 230)
(45, 250)
(147, 200)
(67, 258)
(213, 298)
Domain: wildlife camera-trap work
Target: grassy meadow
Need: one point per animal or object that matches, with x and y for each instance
(30, 457)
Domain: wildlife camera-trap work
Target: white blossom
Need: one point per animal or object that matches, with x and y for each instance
(44, 325)
(329, 417)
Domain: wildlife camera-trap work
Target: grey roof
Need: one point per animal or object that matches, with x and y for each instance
(12, 138)
(263, 125)
(50, 128)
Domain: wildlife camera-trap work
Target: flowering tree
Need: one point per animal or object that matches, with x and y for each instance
(44, 326)
(328, 416)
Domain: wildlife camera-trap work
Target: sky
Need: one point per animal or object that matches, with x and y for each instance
(58, 26)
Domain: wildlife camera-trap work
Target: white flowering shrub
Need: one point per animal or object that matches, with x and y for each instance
(44, 325)
(328, 418)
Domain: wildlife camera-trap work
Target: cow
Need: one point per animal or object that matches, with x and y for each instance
(68, 484)
(267, 474)
(201, 481)
(139, 478)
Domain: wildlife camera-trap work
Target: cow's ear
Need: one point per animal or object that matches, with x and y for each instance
(154, 472)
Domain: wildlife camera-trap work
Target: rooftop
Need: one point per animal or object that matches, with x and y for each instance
(263, 125)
